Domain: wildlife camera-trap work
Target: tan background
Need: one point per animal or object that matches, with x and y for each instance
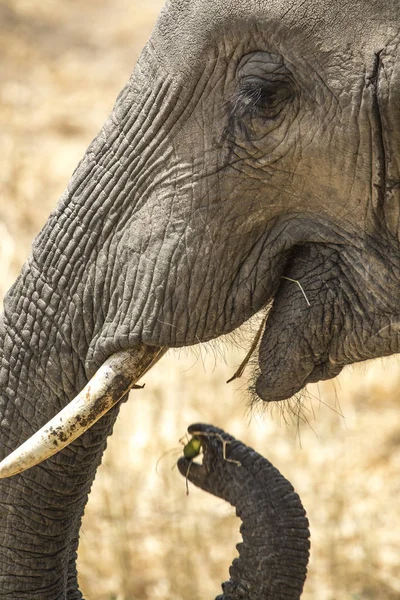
(62, 65)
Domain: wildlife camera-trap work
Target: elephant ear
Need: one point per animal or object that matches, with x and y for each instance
(274, 554)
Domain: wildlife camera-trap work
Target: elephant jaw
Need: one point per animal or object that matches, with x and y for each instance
(118, 374)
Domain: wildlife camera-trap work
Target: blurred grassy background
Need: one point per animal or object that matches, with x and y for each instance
(62, 66)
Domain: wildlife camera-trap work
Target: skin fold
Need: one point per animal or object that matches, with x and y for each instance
(255, 142)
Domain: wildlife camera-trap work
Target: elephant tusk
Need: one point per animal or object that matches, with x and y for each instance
(117, 375)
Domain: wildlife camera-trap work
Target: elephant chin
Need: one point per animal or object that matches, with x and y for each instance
(282, 384)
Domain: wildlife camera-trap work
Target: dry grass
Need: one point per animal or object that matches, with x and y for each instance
(62, 66)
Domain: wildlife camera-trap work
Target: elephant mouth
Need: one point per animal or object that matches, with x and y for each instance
(283, 384)
(297, 344)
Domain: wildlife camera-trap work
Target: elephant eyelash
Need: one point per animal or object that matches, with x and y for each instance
(257, 99)
(248, 100)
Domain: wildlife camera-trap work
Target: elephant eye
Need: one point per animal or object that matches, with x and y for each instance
(264, 87)
(259, 97)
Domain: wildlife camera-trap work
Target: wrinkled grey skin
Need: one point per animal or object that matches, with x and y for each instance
(255, 140)
(274, 553)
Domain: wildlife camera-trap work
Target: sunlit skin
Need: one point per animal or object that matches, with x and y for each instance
(251, 160)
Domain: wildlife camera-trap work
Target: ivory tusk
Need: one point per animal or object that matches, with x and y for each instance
(110, 383)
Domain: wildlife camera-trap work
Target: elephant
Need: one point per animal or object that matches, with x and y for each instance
(249, 162)
(273, 556)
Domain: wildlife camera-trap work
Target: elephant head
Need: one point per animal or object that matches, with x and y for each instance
(251, 159)
(273, 556)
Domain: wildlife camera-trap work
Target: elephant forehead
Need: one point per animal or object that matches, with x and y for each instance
(186, 27)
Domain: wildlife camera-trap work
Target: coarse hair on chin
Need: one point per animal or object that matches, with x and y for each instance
(294, 411)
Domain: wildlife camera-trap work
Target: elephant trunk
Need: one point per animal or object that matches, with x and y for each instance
(73, 308)
(273, 556)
